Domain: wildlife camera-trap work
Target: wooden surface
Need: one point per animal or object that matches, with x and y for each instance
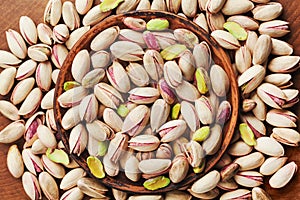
(10, 12)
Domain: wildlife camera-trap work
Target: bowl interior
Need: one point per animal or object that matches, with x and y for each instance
(219, 57)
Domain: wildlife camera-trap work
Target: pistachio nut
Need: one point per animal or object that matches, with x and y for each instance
(153, 63)
(193, 151)
(32, 162)
(272, 165)
(246, 22)
(126, 50)
(251, 78)
(118, 194)
(271, 95)
(48, 186)
(71, 178)
(28, 30)
(213, 143)
(126, 6)
(8, 59)
(269, 146)
(137, 74)
(249, 178)
(260, 110)
(14, 162)
(94, 15)
(31, 186)
(46, 136)
(262, 49)
(207, 195)
(177, 194)
(16, 43)
(135, 23)
(190, 115)
(243, 59)
(111, 118)
(189, 8)
(239, 148)
(146, 197)
(38, 147)
(72, 194)
(281, 118)
(47, 101)
(200, 20)
(99, 130)
(215, 21)
(43, 76)
(58, 156)
(45, 33)
(71, 118)
(118, 77)
(251, 40)
(158, 24)
(187, 91)
(143, 39)
(131, 169)
(39, 52)
(283, 175)
(9, 110)
(220, 87)
(143, 95)
(70, 15)
(274, 28)
(164, 151)
(257, 127)
(281, 48)
(108, 95)
(286, 136)
(95, 166)
(71, 97)
(172, 130)
(284, 64)
(179, 169)
(154, 167)
(251, 161)
(231, 7)
(7, 80)
(291, 97)
(268, 11)
(236, 194)
(166, 92)
(173, 6)
(172, 74)
(52, 12)
(224, 160)
(258, 193)
(279, 79)
(207, 182)
(160, 111)
(92, 187)
(144, 143)
(228, 185)
(82, 7)
(75, 36)
(26, 69)
(136, 120)
(236, 30)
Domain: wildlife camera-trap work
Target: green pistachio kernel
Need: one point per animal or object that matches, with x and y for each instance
(201, 134)
(201, 81)
(123, 110)
(58, 156)
(236, 30)
(70, 84)
(247, 134)
(200, 168)
(175, 111)
(95, 166)
(108, 5)
(157, 24)
(156, 183)
(173, 51)
(102, 148)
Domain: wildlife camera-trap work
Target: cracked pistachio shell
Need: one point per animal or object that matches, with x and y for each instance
(258, 193)
(105, 38)
(137, 74)
(127, 51)
(156, 183)
(44, 33)
(16, 43)
(173, 51)
(281, 48)
(189, 114)
(187, 91)
(246, 22)
(28, 30)
(206, 183)
(172, 74)
(75, 36)
(286, 136)
(15, 162)
(186, 63)
(135, 23)
(52, 12)
(236, 194)
(58, 156)
(262, 49)
(215, 21)
(70, 15)
(72, 194)
(189, 7)
(267, 12)
(236, 30)
(26, 69)
(200, 20)
(118, 77)
(31, 186)
(274, 28)
(132, 171)
(243, 59)
(271, 95)
(126, 6)
(221, 86)
(284, 64)
(39, 52)
(214, 6)
(226, 39)
(95, 166)
(213, 143)
(186, 37)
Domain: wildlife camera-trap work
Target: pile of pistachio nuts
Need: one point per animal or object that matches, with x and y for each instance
(251, 33)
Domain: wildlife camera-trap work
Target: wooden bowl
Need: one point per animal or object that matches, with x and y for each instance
(219, 56)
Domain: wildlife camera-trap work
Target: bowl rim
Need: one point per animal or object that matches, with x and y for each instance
(226, 65)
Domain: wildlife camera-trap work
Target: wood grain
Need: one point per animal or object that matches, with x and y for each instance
(10, 12)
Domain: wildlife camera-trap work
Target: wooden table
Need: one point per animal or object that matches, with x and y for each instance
(10, 12)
